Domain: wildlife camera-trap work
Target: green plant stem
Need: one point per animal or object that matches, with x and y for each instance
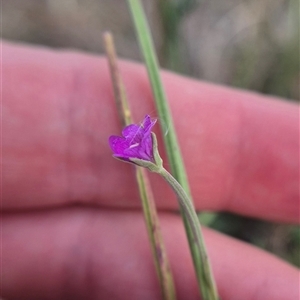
(207, 279)
(147, 47)
(170, 139)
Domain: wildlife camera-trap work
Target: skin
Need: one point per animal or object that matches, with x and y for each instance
(71, 221)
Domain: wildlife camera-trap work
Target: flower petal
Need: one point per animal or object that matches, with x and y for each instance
(148, 123)
(130, 130)
(136, 141)
(118, 144)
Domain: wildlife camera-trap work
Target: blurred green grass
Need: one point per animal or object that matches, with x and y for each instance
(242, 43)
(249, 44)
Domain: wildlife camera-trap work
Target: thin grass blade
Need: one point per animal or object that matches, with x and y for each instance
(148, 204)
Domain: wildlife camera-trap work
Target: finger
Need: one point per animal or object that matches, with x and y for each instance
(94, 254)
(240, 149)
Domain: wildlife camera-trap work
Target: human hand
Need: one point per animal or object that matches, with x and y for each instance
(71, 220)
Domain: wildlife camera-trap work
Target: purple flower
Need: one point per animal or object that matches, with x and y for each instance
(136, 141)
